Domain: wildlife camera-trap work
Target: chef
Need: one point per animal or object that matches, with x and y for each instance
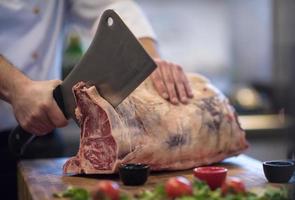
(31, 38)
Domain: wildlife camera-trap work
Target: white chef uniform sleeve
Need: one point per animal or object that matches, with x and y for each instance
(133, 17)
(86, 12)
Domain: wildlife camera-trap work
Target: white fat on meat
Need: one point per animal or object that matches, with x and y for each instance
(145, 128)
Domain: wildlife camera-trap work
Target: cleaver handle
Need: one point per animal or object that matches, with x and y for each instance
(19, 138)
(57, 95)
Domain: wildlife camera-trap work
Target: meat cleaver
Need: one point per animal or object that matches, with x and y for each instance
(115, 63)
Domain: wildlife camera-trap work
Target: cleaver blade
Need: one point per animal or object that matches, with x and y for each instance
(115, 63)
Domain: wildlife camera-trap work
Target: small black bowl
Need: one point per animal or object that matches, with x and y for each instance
(278, 171)
(134, 173)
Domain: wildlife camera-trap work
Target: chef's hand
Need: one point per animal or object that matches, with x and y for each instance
(35, 108)
(171, 82)
(169, 78)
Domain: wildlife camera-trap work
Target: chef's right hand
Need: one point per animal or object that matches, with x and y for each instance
(35, 108)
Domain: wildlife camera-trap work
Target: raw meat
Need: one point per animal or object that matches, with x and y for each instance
(145, 128)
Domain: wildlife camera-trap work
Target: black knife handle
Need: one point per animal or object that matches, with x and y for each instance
(19, 138)
(57, 95)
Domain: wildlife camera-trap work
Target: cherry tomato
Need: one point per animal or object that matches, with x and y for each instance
(109, 189)
(233, 185)
(178, 186)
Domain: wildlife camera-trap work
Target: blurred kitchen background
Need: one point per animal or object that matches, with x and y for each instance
(246, 48)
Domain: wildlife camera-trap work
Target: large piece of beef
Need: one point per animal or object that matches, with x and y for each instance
(145, 128)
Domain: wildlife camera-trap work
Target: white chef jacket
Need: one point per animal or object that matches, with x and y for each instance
(31, 34)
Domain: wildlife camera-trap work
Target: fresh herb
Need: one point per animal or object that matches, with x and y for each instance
(157, 194)
(201, 191)
(74, 193)
(275, 194)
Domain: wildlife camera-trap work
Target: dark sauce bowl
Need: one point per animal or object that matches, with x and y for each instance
(133, 174)
(278, 171)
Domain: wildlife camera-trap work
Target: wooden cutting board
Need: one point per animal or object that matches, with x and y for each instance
(39, 179)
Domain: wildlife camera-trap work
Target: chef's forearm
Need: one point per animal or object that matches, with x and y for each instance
(11, 79)
(150, 46)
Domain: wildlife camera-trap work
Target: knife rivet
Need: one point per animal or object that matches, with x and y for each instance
(110, 21)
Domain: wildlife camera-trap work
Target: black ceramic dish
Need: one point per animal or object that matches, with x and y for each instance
(278, 171)
(134, 173)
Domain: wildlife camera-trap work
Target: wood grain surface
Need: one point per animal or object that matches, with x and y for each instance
(39, 179)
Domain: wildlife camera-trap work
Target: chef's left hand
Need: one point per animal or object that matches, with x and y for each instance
(171, 82)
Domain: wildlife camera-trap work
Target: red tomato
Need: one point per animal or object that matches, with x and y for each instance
(233, 185)
(109, 189)
(178, 186)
